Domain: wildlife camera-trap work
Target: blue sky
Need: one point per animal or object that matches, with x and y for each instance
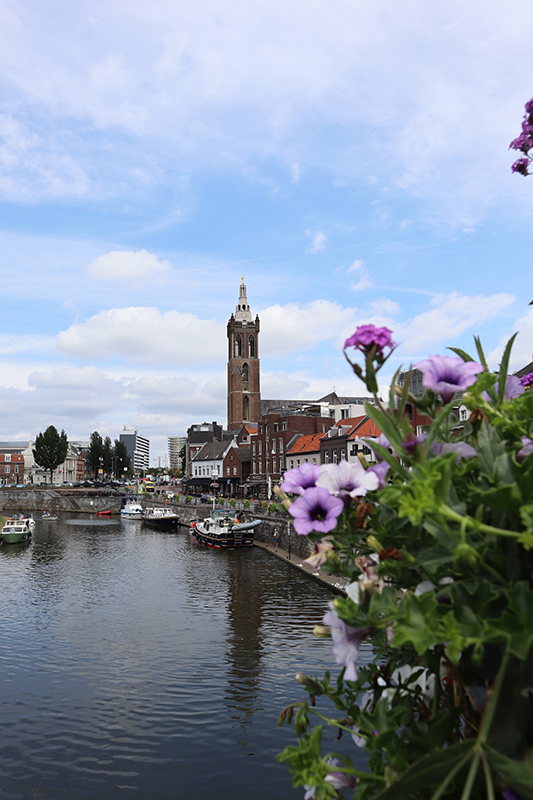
(349, 159)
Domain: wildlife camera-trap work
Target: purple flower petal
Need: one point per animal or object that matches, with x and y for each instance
(346, 642)
(368, 336)
(351, 477)
(448, 374)
(315, 510)
(513, 388)
(296, 481)
(380, 470)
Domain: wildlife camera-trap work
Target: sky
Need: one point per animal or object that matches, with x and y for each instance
(349, 159)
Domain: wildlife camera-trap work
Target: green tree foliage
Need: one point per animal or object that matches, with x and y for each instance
(96, 448)
(123, 461)
(50, 449)
(107, 455)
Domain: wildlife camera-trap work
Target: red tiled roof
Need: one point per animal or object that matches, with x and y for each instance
(308, 443)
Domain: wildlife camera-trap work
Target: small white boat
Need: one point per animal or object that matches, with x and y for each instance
(160, 517)
(17, 529)
(49, 516)
(131, 510)
(223, 529)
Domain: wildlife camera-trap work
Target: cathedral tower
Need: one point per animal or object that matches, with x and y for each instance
(244, 394)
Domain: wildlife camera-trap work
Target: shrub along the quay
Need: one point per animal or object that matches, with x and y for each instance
(436, 543)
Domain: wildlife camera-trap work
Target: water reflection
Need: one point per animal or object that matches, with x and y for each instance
(136, 664)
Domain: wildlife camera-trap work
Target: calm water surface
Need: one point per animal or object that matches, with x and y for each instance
(134, 664)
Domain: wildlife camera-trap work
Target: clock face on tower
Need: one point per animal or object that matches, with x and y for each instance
(244, 394)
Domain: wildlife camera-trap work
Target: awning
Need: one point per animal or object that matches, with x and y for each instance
(199, 482)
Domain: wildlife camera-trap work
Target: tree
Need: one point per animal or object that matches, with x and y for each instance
(96, 447)
(122, 462)
(50, 449)
(107, 455)
(182, 460)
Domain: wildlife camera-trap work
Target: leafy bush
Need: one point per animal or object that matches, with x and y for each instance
(232, 502)
(435, 541)
(246, 504)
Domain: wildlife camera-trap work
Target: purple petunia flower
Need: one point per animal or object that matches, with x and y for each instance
(382, 440)
(309, 792)
(352, 478)
(368, 336)
(296, 481)
(380, 470)
(525, 450)
(508, 794)
(513, 388)
(462, 449)
(346, 642)
(448, 374)
(319, 555)
(315, 510)
(527, 380)
(412, 442)
(339, 780)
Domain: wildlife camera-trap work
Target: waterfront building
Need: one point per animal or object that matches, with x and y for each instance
(303, 449)
(138, 449)
(274, 435)
(235, 470)
(243, 383)
(345, 440)
(207, 465)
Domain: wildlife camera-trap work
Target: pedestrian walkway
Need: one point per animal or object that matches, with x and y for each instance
(336, 583)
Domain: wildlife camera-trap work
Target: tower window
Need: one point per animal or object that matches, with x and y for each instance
(245, 373)
(251, 346)
(238, 346)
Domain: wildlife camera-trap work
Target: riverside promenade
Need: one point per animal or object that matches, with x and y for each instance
(336, 583)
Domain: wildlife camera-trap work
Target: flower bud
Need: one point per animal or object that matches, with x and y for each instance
(465, 552)
(322, 631)
(374, 543)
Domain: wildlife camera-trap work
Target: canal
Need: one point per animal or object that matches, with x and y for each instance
(136, 665)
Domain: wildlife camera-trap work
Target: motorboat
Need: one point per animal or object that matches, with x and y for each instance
(47, 515)
(131, 510)
(160, 517)
(223, 529)
(17, 529)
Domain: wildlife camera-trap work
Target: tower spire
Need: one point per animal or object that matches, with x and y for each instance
(242, 310)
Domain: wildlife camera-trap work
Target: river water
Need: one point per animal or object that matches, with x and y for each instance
(137, 665)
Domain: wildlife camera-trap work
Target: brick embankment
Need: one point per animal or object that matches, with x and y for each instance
(334, 582)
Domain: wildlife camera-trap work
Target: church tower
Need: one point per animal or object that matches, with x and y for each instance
(244, 394)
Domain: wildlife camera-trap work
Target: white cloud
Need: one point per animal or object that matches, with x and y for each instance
(522, 352)
(356, 266)
(293, 328)
(147, 336)
(123, 265)
(454, 314)
(385, 307)
(318, 244)
(364, 282)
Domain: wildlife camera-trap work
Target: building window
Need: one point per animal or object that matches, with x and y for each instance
(343, 455)
(16, 468)
(284, 426)
(253, 448)
(234, 470)
(227, 470)
(273, 445)
(344, 413)
(238, 346)
(260, 447)
(251, 346)
(314, 460)
(462, 414)
(292, 464)
(326, 457)
(7, 469)
(335, 457)
(298, 462)
(245, 373)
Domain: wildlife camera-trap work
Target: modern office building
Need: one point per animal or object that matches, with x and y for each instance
(175, 446)
(138, 449)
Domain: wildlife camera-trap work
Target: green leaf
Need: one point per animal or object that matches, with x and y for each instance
(460, 353)
(516, 774)
(417, 622)
(490, 446)
(429, 771)
(504, 366)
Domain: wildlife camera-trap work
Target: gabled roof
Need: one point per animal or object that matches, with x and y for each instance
(308, 443)
(211, 451)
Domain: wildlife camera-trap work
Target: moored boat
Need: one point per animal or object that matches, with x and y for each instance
(47, 515)
(131, 510)
(223, 530)
(160, 517)
(17, 529)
